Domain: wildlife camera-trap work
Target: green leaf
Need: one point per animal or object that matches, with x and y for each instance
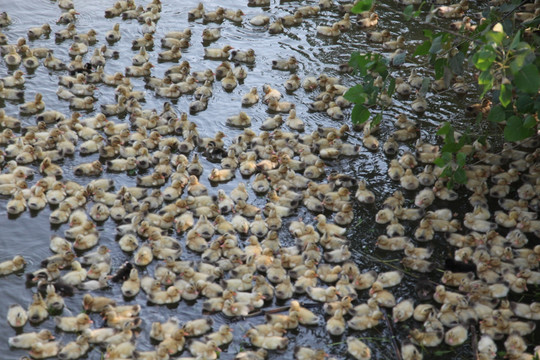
(461, 158)
(515, 40)
(355, 94)
(505, 97)
(419, 10)
(496, 114)
(444, 129)
(497, 36)
(360, 114)
(408, 12)
(486, 80)
(362, 6)
(447, 171)
(460, 176)
(436, 46)
(525, 104)
(484, 57)
(376, 120)
(358, 61)
(440, 64)
(528, 79)
(515, 130)
(423, 49)
(529, 122)
(428, 33)
(391, 87)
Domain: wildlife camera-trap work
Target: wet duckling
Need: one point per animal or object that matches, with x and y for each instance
(267, 342)
(334, 30)
(113, 35)
(419, 105)
(289, 64)
(25, 340)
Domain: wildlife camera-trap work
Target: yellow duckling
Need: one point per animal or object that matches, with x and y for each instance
(333, 30)
(383, 297)
(399, 43)
(267, 342)
(368, 22)
(229, 82)
(322, 294)
(12, 58)
(379, 36)
(419, 105)
(44, 350)
(241, 120)
(113, 35)
(33, 107)
(11, 266)
(73, 323)
(216, 53)
(285, 64)
(280, 106)
(358, 349)
(88, 169)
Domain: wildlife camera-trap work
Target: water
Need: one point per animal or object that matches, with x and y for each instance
(29, 233)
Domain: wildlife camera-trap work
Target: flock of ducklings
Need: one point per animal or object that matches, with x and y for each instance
(243, 264)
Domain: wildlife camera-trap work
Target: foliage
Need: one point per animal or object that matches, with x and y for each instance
(501, 52)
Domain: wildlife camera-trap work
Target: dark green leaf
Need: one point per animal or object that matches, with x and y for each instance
(419, 10)
(529, 122)
(496, 114)
(515, 131)
(460, 176)
(525, 104)
(505, 97)
(391, 87)
(447, 171)
(361, 6)
(450, 185)
(515, 40)
(486, 80)
(423, 49)
(356, 94)
(528, 79)
(359, 114)
(461, 158)
(376, 120)
(428, 33)
(451, 147)
(358, 62)
(440, 64)
(439, 162)
(444, 129)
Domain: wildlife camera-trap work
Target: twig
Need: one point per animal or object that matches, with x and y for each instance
(394, 343)
(474, 339)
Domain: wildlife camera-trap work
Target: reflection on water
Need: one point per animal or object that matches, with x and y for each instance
(29, 233)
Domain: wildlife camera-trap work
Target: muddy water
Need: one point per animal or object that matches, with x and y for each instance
(29, 233)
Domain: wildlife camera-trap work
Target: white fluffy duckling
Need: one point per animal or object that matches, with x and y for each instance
(240, 120)
(251, 98)
(44, 350)
(17, 316)
(229, 82)
(26, 340)
(216, 53)
(113, 35)
(368, 22)
(285, 64)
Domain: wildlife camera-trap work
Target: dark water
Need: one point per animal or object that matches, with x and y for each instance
(29, 233)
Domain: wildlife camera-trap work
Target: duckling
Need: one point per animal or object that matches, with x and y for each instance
(358, 349)
(419, 105)
(73, 323)
(216, 53)
(368, 22)
(379, 36)
(17, 316)
(229, 82)
(113, 35)
(285, 64)
(33, 107)
(334, 30)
